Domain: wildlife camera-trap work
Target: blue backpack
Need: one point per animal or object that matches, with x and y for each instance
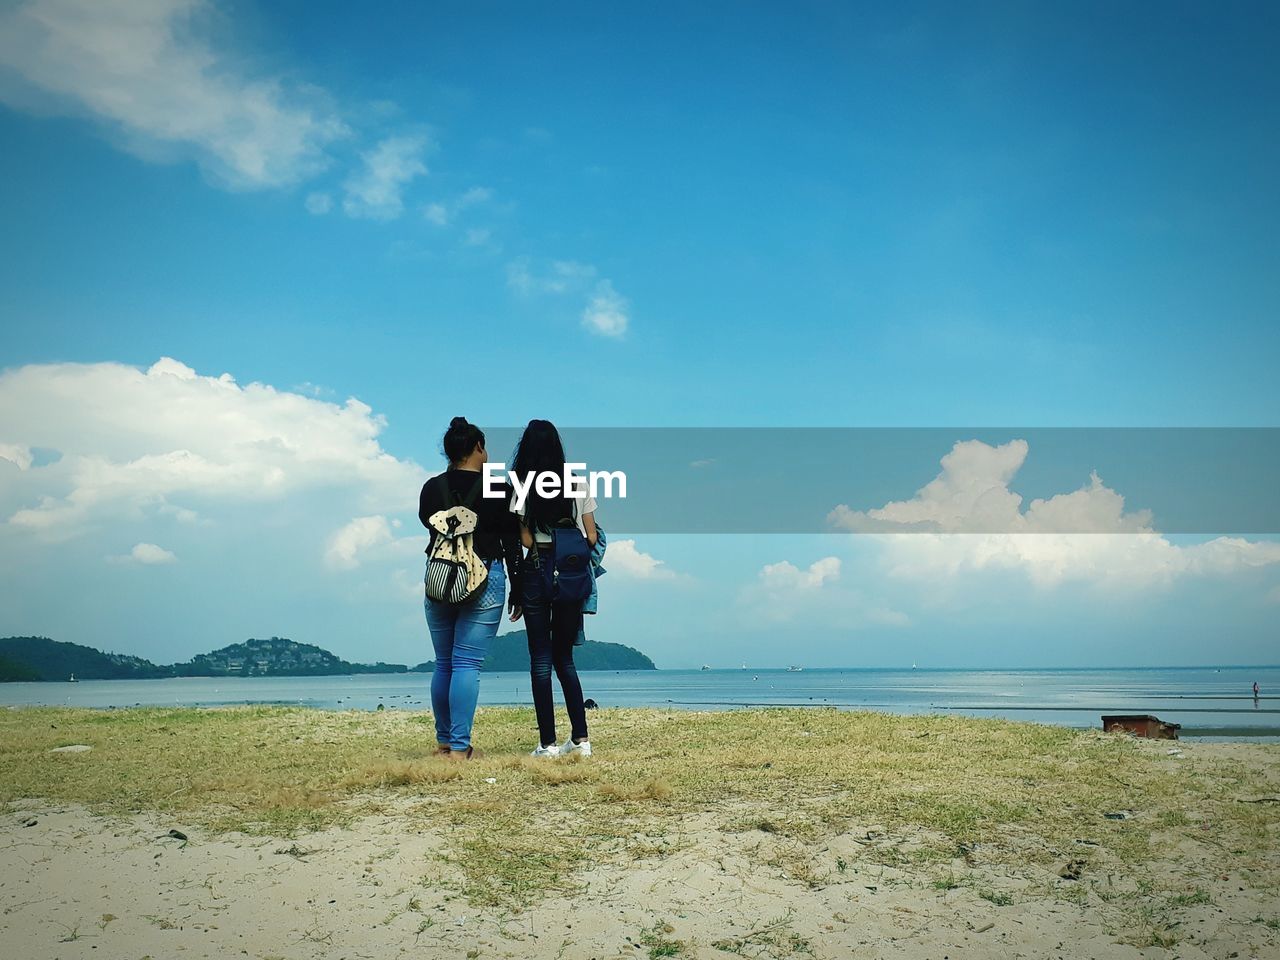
(571, 563)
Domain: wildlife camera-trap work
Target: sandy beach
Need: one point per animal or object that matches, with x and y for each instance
(1137, 849)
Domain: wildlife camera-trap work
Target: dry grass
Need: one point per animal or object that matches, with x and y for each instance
(932, 787)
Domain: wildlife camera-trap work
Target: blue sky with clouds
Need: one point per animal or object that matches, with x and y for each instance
(729, 215)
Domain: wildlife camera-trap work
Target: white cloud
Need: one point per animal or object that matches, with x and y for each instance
(140, 69)
(436, 213)
(559, 276)
(971, 495)
(606, 311)
(785, 593)
(376, 191)
(147, 554)
(623, 558)
(473, 196)
(140, 443)
(319, 204)
(477, 237)
(359, 536)
(971, 521)
(1118, 561)
(786, 576)
(18, 455)
(442, 213)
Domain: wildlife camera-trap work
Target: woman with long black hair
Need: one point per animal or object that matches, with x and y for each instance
(552, 622)
(461, 632)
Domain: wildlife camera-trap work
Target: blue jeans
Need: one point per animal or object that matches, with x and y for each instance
(461, 634)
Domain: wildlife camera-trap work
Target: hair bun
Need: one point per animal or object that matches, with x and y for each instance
(458, 422)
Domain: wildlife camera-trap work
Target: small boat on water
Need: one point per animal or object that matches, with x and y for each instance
(794, 669)
(706, 666)
(72, 679)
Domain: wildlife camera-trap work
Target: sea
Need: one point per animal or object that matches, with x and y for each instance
(1209, 702)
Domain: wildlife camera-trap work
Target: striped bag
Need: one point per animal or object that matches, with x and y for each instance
(455, 573)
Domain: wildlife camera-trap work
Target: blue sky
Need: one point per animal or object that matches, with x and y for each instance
(731, 215)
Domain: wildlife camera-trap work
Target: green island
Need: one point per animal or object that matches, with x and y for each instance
(40, 658)
(510, 652)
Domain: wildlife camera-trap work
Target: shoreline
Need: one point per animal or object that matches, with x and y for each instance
(1240, 734)
(1205, 703)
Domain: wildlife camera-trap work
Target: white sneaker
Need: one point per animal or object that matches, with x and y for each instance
(551, 751)
(582, 749)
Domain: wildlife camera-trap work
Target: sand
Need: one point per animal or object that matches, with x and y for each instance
(76, 885)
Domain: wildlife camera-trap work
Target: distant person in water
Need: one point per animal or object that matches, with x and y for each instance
(1255, 693)
(461, 632)
(551, 620)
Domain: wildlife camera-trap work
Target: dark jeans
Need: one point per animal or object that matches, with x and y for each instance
(552, 626)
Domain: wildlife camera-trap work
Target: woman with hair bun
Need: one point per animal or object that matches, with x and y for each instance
(461, 632)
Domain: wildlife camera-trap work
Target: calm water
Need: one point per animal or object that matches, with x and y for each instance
(1205, 700)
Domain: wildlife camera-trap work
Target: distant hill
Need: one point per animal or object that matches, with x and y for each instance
(39, 658)
(11, 670)
(54, 660)
(276, 657)
(510, 651)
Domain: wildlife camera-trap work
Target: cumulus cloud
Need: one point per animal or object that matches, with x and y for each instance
(968, 520)
(355, 538)
(785, 593)
(142, 71)
(375, 191)
(19, 456)
(147, 554)
(625, 559)
(971, 495)
(606, 311)
(163, 441)
(318, 203)
(787, 576)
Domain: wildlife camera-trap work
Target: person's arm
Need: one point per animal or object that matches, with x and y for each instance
(428, 503)
(510, 536)
(426, 506)
(587, 508)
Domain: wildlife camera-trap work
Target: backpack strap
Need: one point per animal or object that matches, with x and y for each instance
(469, 500)
(450, 499)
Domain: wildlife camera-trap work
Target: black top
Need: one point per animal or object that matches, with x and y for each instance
(497, 528)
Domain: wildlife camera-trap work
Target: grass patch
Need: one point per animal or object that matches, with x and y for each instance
(657, 942)
(997, 897)
(773, 939)
(1192, 899)
(516, 829)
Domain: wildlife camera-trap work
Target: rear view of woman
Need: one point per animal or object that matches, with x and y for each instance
(462, 631)
(552, 621)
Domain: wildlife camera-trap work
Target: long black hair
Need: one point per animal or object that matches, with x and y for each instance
(461, 439)
(541, 449)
